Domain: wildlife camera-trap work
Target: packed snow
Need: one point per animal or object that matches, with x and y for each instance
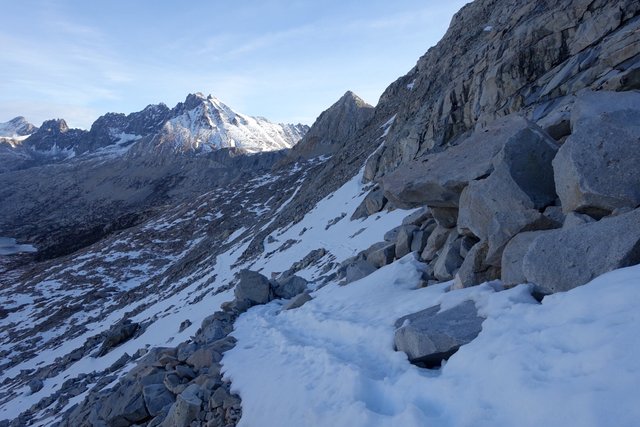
(572, 360)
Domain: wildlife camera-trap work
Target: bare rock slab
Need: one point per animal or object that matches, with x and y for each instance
(428, 337)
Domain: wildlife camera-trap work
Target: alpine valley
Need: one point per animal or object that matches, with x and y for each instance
(464, 253)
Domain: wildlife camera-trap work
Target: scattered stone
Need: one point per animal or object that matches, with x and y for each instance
(418, 217)
(184, 325)
(404, 239)
(392, 235)
(449, 259)
(118, 334)
(555, 215)
(125, 405)
(435, 242)
(203, 358)
(419, 240)
(185, 409)
(473, 270)
(428, 337)
(445, 217)
(573, 219)
(382, 256)
(298, 301)
(185, 372)
(35, 385)
(357, 269)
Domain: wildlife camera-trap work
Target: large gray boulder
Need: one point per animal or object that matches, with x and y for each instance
(358, 268)
(439, 178)
(252, 287)
(512, 272)
(507, 202)
(436, 240)
(298, 301)
(559, 260)
(125, 404)
(382, 256)
(185, 409)
(596, 169)
(418, 217)
(289, 287)
(372, 203)
(428, 336)
(157, 398)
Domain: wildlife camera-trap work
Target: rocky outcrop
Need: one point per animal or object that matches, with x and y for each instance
(333, 128)
(430, 336)
(504, 56)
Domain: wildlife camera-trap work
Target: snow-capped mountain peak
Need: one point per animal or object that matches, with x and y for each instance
(205, 123)
(16, 128)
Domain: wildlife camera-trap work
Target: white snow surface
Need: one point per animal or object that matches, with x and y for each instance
(573, 360)
(213, 125)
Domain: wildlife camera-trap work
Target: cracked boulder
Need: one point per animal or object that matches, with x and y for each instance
(507, 202)
(597, 167)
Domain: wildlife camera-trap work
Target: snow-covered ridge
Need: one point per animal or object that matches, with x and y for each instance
(205, 124)
(17, 128)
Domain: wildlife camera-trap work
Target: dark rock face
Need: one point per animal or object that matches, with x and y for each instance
(109, 129)
(118, 334)
(428, 337)
(55, 136)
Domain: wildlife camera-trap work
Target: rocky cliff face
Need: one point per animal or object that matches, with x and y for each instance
(499, 57)
(333, 128)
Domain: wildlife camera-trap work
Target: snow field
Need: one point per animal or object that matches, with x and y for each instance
(572, 360)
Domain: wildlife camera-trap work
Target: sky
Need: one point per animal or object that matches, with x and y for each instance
(286, 60)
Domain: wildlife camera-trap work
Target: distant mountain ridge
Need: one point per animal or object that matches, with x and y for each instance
(198, 125)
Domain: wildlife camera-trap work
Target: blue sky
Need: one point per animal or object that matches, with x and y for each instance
(284, 60)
